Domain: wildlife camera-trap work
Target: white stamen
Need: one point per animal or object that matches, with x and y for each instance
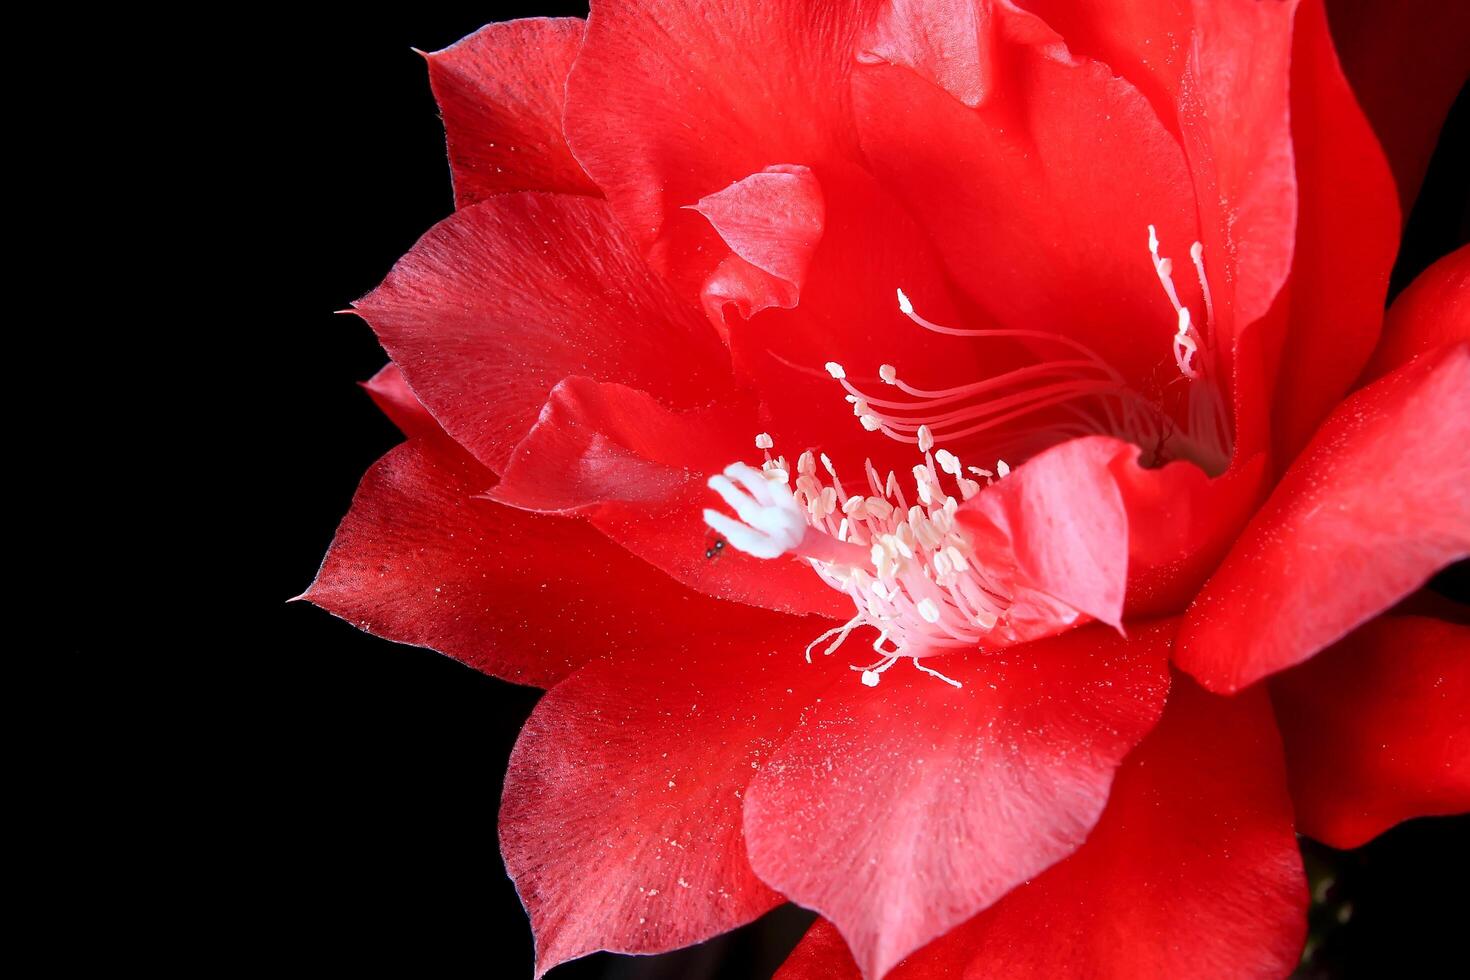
(1002, 468)
(934, 673)
(835, 369)
(764, 441)
(888, 373)
(904, 305)
(926, 439)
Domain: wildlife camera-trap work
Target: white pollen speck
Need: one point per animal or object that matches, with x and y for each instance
(926, 439)
(929, 610)
(683, 883)
(870, 677)
(764, 441)
(835, 369)
(671, 784)
(904, 304)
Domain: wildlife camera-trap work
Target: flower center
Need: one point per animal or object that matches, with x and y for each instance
(912, 573)
(907, 568)
(1070, 391)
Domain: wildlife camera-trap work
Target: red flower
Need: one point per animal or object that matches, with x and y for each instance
(1139, 252)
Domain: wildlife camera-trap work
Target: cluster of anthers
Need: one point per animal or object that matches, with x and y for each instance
(909, 568)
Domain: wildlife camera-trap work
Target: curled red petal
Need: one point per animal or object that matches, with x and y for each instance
(900, 811)
(620, 821)
(1193, 870)
(501, 92)
(1377, 728)
(1065, 524)
(1181, 522)
(1085, 524)
(1373, 507)
(772, 222)
(637, 471)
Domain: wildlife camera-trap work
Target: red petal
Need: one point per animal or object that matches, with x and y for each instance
(1020, 194)
(638, 472)
(419, 559)
(621, 816)
(390, 393)
(772, 221)
(1064, 523)
(1290, 182)
(1180, 524)
(669, 102)
(1192, 871)
(1406, 61)
(849, 314)
(899, 811)
(1377, 728)
(1144, 41)
(500, 91)
(1083, 520)
(1433, 312)
(949, 43)
(1374, 506)
(1346, 241)
(503, 299)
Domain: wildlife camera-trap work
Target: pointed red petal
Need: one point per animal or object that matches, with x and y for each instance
(1193, 870)
(901, 810)
(1373, 507)
(621, 817)
(420, 558)
(500, 91)
(1377, 728)
(503, 299)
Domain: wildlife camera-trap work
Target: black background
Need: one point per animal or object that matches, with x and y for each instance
(381, 805)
